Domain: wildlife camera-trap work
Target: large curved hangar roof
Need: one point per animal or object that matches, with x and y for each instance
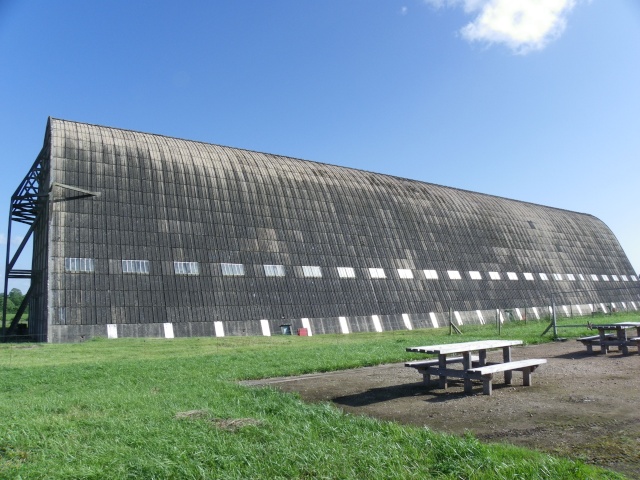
(167, 200)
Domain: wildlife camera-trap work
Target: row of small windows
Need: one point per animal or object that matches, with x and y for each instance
(237, 269)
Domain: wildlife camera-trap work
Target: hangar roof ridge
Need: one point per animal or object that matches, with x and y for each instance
(287, 157)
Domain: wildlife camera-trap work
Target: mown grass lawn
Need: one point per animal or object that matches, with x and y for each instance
(133, 408)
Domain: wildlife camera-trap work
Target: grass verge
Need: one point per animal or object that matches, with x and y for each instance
(135, 408)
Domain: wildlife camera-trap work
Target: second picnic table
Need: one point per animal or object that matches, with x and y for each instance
(619, 339)
(473, 368)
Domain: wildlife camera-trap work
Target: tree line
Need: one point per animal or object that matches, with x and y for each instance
(14, 299)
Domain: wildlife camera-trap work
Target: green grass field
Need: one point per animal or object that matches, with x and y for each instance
(134, 408)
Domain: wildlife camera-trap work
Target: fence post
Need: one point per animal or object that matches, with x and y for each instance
(553, 308)
(451, 325)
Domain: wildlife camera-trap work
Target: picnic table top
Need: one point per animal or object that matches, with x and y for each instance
(464, 346)
(611, 326)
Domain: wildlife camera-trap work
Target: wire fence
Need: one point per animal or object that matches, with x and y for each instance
(575, 303)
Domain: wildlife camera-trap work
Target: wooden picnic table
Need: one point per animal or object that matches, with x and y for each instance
(621, 340)
(473, 368)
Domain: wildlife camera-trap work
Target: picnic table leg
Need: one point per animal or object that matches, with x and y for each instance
(466, 365)
(442, 364)
(506, 357)
(482, 358)
(526, 377)
(622, 338)
(603, 338)
(487, 384)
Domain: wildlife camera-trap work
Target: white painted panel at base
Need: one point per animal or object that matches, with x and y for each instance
(579, 310)
(112, 330)
(266, 331)
(613, 306)
(407, 321)
(480, 317)
(307, 324)
(624, 305)
(566, 310)
(634, 305)
(535, 312)
(500, 315)
(434, 320)
(604, 309)
(344, 328)
(376, 323)
(219, 329)
(519, 314)
(458, 317)
(168, 330)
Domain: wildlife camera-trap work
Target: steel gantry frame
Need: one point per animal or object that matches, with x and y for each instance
(26, 205)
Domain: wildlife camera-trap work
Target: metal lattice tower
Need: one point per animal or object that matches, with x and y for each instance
(26, 204)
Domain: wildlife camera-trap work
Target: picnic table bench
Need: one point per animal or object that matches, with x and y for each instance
(592, 340)
(473, 368)
(527, 367)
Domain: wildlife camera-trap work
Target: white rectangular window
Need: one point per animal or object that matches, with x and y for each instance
(624, 278)
(543, 276)
(454, 274)
(594, 277)
(571, 277)
(431, 274)
(310, 271)
(557, 276)
(494, 275)
(475, 275)
(405, 273)
(135, 266)
(581, 276)
(186, 268)
(512, 275)
(614, 278)
(528, 276)
(605, 278)
(377, 273)
(83, 265)
(346, 272)
(634, 278)
(232, 269)
(274, 270)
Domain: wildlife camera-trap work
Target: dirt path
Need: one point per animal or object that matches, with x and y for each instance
(580, 405)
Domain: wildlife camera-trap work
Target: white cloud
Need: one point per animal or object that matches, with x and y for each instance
(522, 25)
(3, 239)
(404, 10)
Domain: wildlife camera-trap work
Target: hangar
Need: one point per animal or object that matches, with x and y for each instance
(137, 234)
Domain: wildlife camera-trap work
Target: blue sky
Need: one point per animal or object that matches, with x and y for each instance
(536, 100)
